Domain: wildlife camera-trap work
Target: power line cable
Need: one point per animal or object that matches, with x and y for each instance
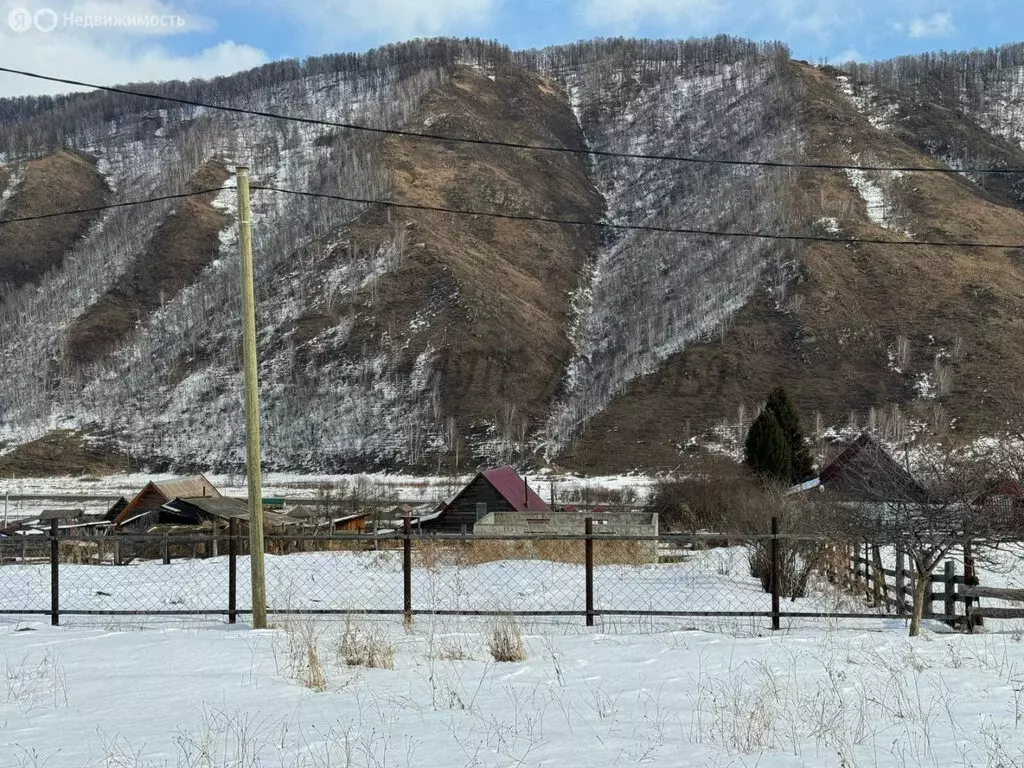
(109, 206)
(524, 217)
(640, 227)
(512, 144)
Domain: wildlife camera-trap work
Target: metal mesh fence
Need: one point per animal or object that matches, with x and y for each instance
(537, 575)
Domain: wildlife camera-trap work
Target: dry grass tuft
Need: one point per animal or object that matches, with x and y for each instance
(453, 649)
(366, 648)
(302, 654)
(506, 643)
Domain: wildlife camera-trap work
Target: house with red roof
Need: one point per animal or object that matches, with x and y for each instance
(495, 490)
(1004, 496)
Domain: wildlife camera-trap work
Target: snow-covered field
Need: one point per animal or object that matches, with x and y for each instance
(193, 692)
(443, 580)
(233, 698)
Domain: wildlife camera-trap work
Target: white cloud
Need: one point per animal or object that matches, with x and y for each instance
(630, 13)
(126, 48)
(936, 25)
(850, 54)
(819, 18)
(108, 55)
(391, 18)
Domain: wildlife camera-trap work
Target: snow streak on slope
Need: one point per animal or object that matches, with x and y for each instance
(868, 102)
(12, 186)
(880, 206)
(1002, 105)
(173, 387)
(650, 295)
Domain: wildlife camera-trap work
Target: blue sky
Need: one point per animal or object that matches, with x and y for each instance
(198, 38)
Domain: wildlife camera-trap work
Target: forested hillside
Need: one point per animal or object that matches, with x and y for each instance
(395, 337)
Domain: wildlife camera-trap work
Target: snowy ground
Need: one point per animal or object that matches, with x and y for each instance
(193, 692)
(234, 698)
(443, 580)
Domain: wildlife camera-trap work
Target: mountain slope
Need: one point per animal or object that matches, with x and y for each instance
(399, 337)
(61, 181)
(832, 336)
(182, 246)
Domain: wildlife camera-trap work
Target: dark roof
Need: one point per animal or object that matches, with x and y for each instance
(507, 482)
(305, 512)
(48, 515)
(1005, 487)
(214, 506)
(179, 487)
(865, 470)
(224, 508)
(116, 509)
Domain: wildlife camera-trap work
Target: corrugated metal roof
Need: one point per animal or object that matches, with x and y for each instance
(178, 487)
(217, 506)
(226, 508)
(196, 486)
(514, 489)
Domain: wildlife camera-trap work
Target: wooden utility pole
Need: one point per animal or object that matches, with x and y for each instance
(252, 404)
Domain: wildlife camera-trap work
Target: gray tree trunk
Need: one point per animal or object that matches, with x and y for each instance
(922, 583)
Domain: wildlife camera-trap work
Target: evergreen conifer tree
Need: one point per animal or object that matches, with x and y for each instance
(788, 418)
(766, 450)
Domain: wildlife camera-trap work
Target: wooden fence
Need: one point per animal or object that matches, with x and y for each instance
(947, 597)
(977, 614)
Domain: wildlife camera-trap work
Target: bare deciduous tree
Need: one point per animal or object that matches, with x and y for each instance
(925, 515)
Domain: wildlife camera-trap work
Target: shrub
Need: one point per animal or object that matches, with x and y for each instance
(362, 648)
(797, 560)
(506, 643)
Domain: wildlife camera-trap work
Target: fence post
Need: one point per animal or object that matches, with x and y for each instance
(167, 549)
(901, 581)
(912, 583)
(775, 573)
(407, 568)
(588, 567)
(54, 574)
(879, 591)
(971, 580)
(928, 611)
(949, 582)
(869, 576)
(232, 570)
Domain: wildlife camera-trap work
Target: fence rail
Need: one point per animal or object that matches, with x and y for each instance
(895, 587)
(584, 575)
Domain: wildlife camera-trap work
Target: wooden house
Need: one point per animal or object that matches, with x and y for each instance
(1003, 500)
(115, 509)
(218, 511)
(865, 472)
(158, 493)
(495, 490)
(355, 523)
